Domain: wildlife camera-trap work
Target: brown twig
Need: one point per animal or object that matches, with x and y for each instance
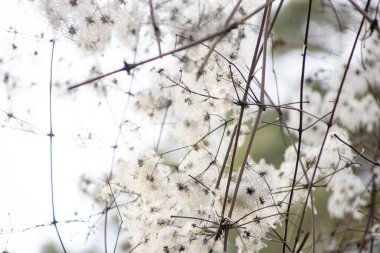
(157, 32)
(330, 123)
(226, 158)
(374, 23)
(300, 131)
(259, 113)
(356, 151)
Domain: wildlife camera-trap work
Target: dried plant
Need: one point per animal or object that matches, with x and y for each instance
(187, 181)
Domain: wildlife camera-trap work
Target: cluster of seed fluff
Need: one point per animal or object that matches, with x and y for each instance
(94, 24)
(357, 115)
(174, 203)
(360, 96)
(178, 209)
(335, 169)
(358, 109)
(174, 190)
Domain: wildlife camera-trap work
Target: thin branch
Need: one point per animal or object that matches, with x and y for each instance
(374, 23)
(51, 135)
(192, 218)
(118, 212)
(300, 131)
(330, 123)
(162, 125)
(239, 123)
(259, 113)
(105, 226)
(371, 215)
(226, 157)
(356, 151)
(157, 32)
(336, 16)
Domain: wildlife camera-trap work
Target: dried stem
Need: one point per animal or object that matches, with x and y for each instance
(259, 113)
(300, 131)
(330, 123)
(157, 32)
(51, 135)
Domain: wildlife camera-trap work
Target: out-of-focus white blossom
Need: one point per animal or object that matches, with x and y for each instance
(347, 195)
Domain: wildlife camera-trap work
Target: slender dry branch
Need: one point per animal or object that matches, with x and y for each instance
(156, 29)
(240, 119)
(374, 22)
(371, 216)
(357, 151)
(259, 113)
(51, 135)
(226, 157)
(330, 123)
(300, 131)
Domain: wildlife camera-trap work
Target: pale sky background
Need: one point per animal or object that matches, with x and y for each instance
(24, 162)
(24, 144)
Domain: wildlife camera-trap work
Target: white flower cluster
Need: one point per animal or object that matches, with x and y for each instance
(179, 195)
(360, 97)
(94, 24)
(175, 205)
(178, 209)
(358, 112)
(359, 104)
(334, 170)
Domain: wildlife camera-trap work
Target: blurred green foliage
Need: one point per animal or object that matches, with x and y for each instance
(290, 25)
(52, 247)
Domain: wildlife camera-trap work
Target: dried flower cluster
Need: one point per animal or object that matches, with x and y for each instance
(187, 191)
